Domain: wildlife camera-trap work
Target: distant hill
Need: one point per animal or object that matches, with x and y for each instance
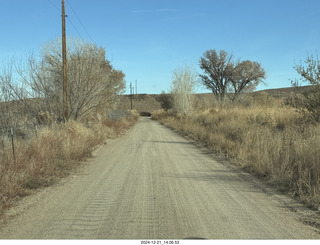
(280, 92)
(150, 102)
(140, 102)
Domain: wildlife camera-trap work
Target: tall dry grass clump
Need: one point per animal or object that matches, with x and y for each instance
(52, 153)
(271, 140)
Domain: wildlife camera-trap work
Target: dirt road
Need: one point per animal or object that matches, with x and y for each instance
(153, 184)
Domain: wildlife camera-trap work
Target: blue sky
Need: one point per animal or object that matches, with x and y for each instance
(148, 39)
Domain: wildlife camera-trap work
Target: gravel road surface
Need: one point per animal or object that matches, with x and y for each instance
(154, 184)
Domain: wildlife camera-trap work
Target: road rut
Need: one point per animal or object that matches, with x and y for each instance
(154, 184)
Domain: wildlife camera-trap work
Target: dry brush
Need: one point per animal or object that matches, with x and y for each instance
(52, 153)
(270, 141)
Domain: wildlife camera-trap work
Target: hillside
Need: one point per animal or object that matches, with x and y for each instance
(151, 102)
(280, 92)
(140, 102)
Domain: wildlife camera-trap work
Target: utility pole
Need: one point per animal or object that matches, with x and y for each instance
(64, 62)
(131, 95)
(136, 88)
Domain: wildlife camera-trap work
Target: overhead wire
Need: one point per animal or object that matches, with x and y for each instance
(77, 17)
(68, 18)
(74, 26)
(54, 5)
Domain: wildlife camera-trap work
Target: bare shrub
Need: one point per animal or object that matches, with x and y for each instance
(166, 101)
(93, 83)
(162, 114)
(308, 102)
(182, 88)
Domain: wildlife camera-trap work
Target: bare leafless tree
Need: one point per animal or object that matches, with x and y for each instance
(217, 69)
(5, 112)
(310, 72)
(9, 119)
(223, 75)
(308, 101)
(93, 83)
(246, 76)
(182, 89)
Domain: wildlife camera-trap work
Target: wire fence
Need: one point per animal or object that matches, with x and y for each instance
(17, 126)
(23, 127)
(9, 136)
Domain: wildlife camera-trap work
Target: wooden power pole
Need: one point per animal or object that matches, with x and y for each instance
(64, 62)
(131, 94)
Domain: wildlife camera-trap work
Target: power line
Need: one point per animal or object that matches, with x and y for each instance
(68, 18)
(54, 5)
(75, 14)
(73, 26)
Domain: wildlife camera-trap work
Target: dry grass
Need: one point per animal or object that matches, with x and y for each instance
(51, 154)
(270, 141)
